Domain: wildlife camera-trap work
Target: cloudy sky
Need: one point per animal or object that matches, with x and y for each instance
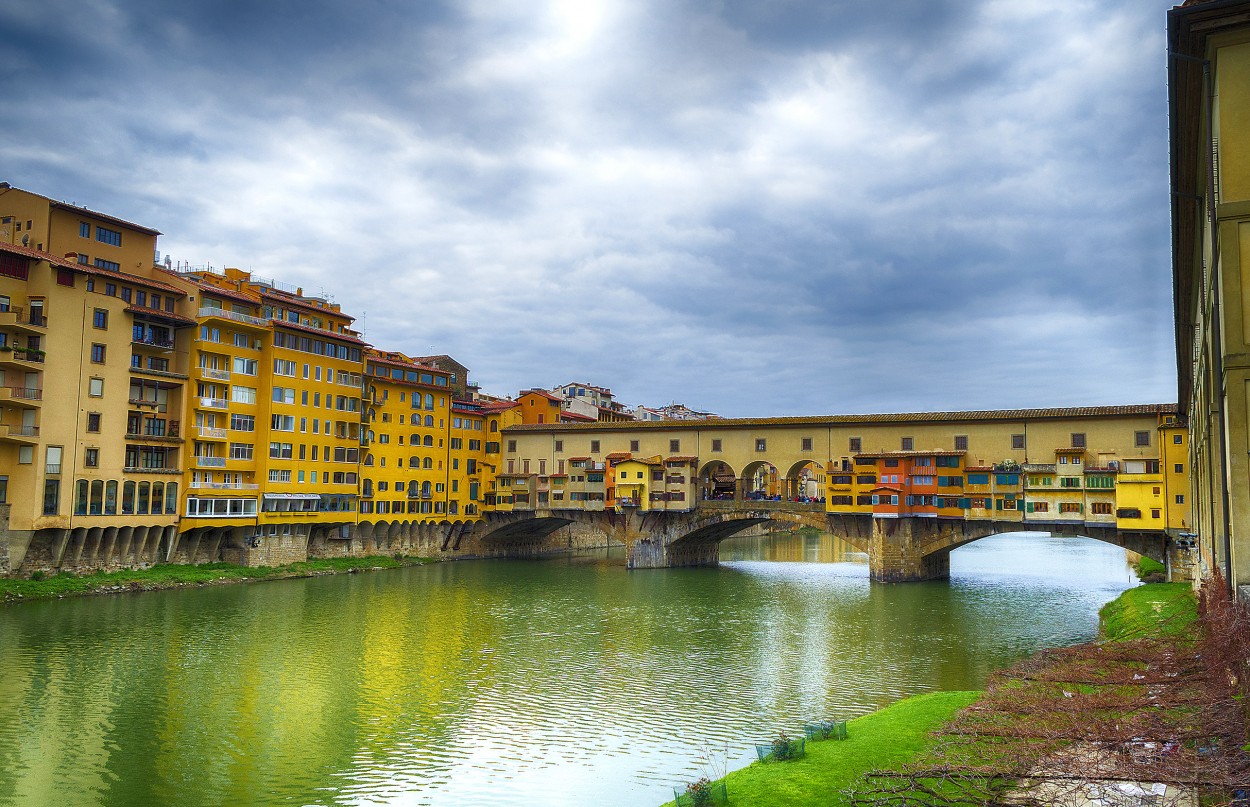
(757, 207)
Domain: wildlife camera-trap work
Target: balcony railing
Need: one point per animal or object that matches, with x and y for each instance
(52, 468)
(16, 315)
(225, 485)
(218, 375)
(153, 341)
(218, 434)
(233, 315)
(214, 403)
(20, 431)
(210, 462)
(25, 393)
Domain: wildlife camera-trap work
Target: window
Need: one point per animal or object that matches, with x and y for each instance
(1078, 440)
(961, 442)
(106, 236)
(512, 446)
(241, 451)
(716, 446)
(84, 229)
(243, 423)
(908, 443)
(1141, 438)
(1176, 439)
(244, 366)
(283, 367)
(559, 445)
(857, 445)
(243, 395)
(1100, 508)
(100, 318)
(282, 423)
(1180, 498)
(51, 497)
(1156, 513)
(95, 387)
(112, 266)
(806, 444)
(64, 277)
(280, 451)
(126, 293)
(761, 444)
(91, 458)
(97, 353)
(594, 446)
(1017, 441)
(633, 445)
(93, 421)
(284, 395)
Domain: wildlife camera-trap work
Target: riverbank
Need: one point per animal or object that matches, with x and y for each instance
(170, 576)
(904, 732)
(886, 738)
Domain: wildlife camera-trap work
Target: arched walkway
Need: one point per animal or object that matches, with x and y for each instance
(717, 481)
(760, 481)
(804, 482)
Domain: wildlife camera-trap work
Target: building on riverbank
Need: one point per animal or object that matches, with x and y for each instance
(1209, 111)
(93, 352)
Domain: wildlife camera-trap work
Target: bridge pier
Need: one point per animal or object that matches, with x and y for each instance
(896, 552)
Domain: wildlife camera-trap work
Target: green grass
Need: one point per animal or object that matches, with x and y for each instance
(170, 575)
(1147, 566)
(1154, 609)
(887, 738)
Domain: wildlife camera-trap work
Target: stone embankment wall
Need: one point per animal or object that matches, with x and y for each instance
(115, 549)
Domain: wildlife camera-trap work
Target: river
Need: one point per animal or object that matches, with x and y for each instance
(559, 682)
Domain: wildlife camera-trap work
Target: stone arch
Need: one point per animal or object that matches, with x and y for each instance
(717, 480)
(803, 480)
(760, 480)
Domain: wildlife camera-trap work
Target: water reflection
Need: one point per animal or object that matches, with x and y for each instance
(511, 683)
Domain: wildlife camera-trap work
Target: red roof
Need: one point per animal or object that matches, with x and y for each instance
(542, 393)
(230, 294)
(342, 337)
(619, 455)
(576, 416)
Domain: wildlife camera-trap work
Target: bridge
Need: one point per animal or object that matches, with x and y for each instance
(904, 549)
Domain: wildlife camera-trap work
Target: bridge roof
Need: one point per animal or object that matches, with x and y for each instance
(933, 453)
(827, 420)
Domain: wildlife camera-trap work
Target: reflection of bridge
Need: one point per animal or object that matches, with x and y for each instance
(899, 549)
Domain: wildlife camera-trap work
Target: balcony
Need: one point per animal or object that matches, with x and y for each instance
(210, 462)
(234, 316)
(198, 485)
(52, 469)
(28, 397)
(153, 342)
(21, 357)
(1039, 468)
(17, 318)
(214, 374)
(214, 403)
(19, 434)
(144, 469)
(209, 433)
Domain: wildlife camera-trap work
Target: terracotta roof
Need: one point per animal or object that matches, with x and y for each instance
(833, 420)
(216, 291)
(494, 407)
(105, 216)
(619, 455)
(541, 393)
(886, 487)
(87, 269)
(298, 300)
(911, 454)
(579, 459)
(681, 459)
(576, 416)
(342, 337)
(380, 358)
(152, 312)
(643, 460)
(1070, 450)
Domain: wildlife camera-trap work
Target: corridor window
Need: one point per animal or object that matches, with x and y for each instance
(1141, 438)
(761, 444)
(909, 443)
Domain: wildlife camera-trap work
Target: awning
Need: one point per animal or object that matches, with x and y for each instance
(298, 496)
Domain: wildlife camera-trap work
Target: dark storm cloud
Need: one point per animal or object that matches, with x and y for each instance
(757, 208)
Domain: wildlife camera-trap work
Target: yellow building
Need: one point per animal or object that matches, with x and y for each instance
(1209, 114)
(281, 373)
(93, 350)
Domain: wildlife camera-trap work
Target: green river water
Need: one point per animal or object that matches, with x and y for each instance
(560, 682)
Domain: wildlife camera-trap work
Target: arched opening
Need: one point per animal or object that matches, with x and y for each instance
(805, 482)
(716, 481)
(760, 481)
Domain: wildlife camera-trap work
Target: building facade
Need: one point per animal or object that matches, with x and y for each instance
(1209, 110)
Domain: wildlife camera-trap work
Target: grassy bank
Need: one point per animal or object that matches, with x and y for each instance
(886, 738)
(170, 575)
(899, 734)
(1154, 609)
